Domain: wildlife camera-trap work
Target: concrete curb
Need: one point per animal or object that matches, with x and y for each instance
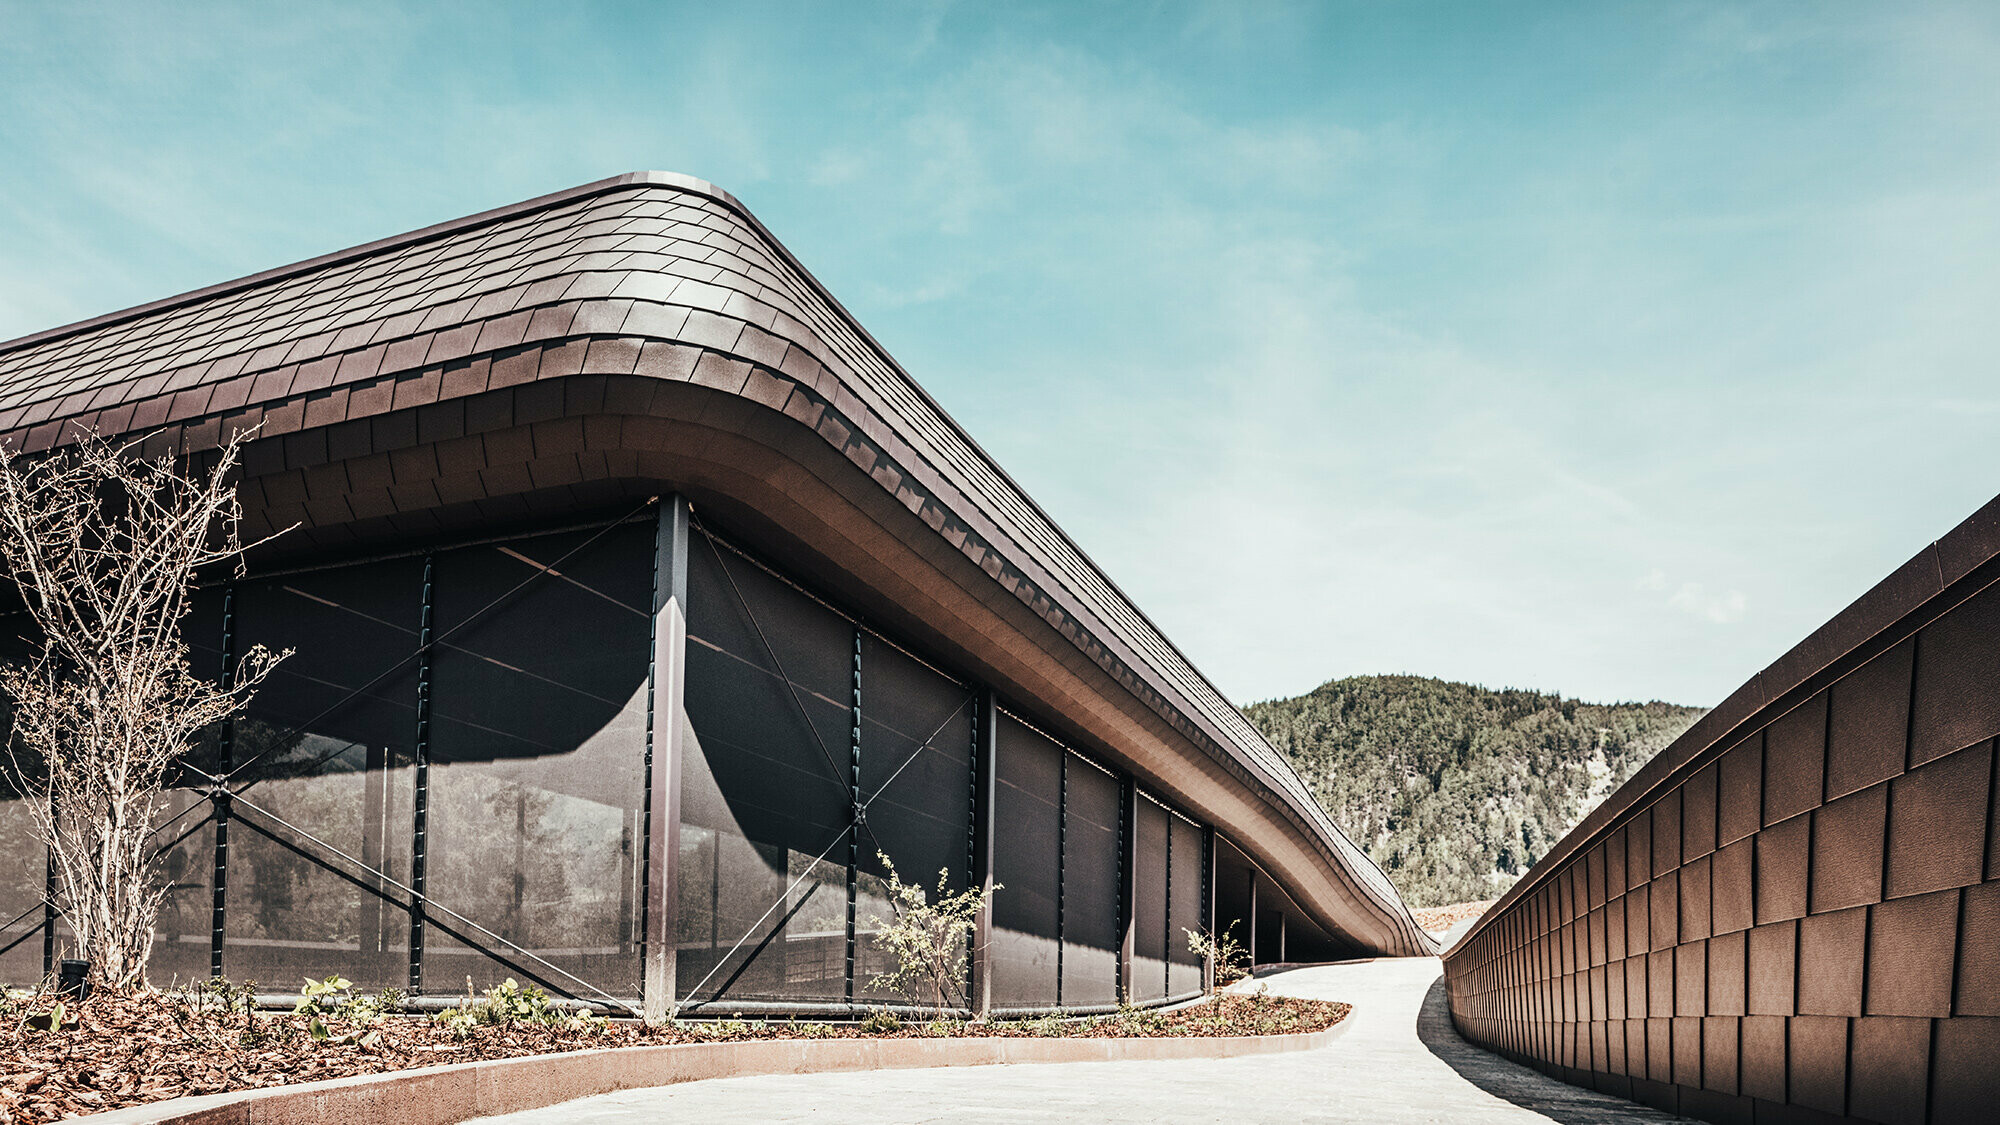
(446, 1095)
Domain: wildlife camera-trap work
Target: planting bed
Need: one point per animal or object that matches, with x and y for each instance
(118, 1051)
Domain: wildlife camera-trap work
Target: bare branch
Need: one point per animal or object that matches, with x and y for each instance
(104, 546)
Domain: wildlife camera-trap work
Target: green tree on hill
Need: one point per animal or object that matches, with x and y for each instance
(1455, 789)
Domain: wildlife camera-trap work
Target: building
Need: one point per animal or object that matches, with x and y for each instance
(640, 605)
(1789, 914)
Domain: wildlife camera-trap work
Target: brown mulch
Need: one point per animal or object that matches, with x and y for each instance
(120, 1051)
(1439, 919)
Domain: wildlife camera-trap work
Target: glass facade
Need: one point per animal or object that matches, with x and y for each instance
(1092, 930)
(445, 783)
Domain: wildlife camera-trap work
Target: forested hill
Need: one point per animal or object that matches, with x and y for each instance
(1454, 789)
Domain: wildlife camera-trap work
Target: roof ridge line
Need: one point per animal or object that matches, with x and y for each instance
(676, 180)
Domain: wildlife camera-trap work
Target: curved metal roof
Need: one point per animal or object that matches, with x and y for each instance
(644, 274)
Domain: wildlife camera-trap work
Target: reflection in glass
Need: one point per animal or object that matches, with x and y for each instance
(1149, 917)
(327, 750)
(916, 774)
(1185, 864)
(23, 859)
(766, 774)
(1027, 808)
(1091, 933)
(537, 745)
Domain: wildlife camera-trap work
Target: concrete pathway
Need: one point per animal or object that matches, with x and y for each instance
(1399, 1061)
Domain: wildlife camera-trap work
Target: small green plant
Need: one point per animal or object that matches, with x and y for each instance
(881, 1021)
(55, 1019)
(506, 1003)
(323, 997)
(1134, 1020)
(1231, 960)
(927, 940)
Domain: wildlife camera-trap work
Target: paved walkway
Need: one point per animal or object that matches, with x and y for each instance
(1399, 1061)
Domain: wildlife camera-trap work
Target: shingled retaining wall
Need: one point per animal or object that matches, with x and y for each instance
(1793, 913)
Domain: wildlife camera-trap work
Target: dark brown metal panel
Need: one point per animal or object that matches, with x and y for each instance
(1698, 814)
(1660, 983)
(1933, 811)
(1833, 954)
(1666, 834)
(1818, 1062)
(1772, 971)
(1891, 1070)
(1639, 850)
(1869, 722)
(1783, 860)
(1762, 1057)
(1912, 944)
(1664, 895)
(1638, 921)
(1687, 1052)
(1731, 898)
(1847, 850)
(1727, 980)
(1978, 991)
(1695, 900)
(1966, 1083)
(1691, 979)
(1795, 761)
(1719, 1053)
(1957, 694)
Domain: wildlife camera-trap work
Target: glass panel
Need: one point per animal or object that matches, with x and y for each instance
(326, 747)
(1184, 894)
(916, 776)
(1027, 809)
(1233, 877)
(764, 787)
(538, 720)
(1149, 929)
(185, 927)
(1091, 934)
(23, 859)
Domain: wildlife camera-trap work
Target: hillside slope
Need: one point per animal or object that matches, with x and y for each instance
(1455, 789)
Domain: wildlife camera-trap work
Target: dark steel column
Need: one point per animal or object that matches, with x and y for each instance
(985, 759)
(666, 727)
(1062, 856)
(49, 920)
(1128, 882)
(1253, 916)
(421, 798)
(219, 793)
(855, 812)
(1208, 926)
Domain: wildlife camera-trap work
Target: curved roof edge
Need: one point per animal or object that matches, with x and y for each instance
(1932, 575)
(1214, 712)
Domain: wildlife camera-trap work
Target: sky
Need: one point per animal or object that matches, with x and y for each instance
(1599, 348)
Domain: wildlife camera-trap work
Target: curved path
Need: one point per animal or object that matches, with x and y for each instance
(1399, 1061)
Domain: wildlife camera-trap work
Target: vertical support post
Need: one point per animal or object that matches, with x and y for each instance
(666, 729)
(985, 762)
(1208, 919)
(1062, 857)
(1281, 937)
(1128, 884)
(1167, 917)
(855, 813)
(1253, 917)
(49, 922)
(225, 760)
(421, 794)
(374, 854)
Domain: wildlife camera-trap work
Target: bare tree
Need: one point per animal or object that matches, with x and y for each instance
(104, 545)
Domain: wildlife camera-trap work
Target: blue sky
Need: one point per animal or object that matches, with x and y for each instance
(1598, 348)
